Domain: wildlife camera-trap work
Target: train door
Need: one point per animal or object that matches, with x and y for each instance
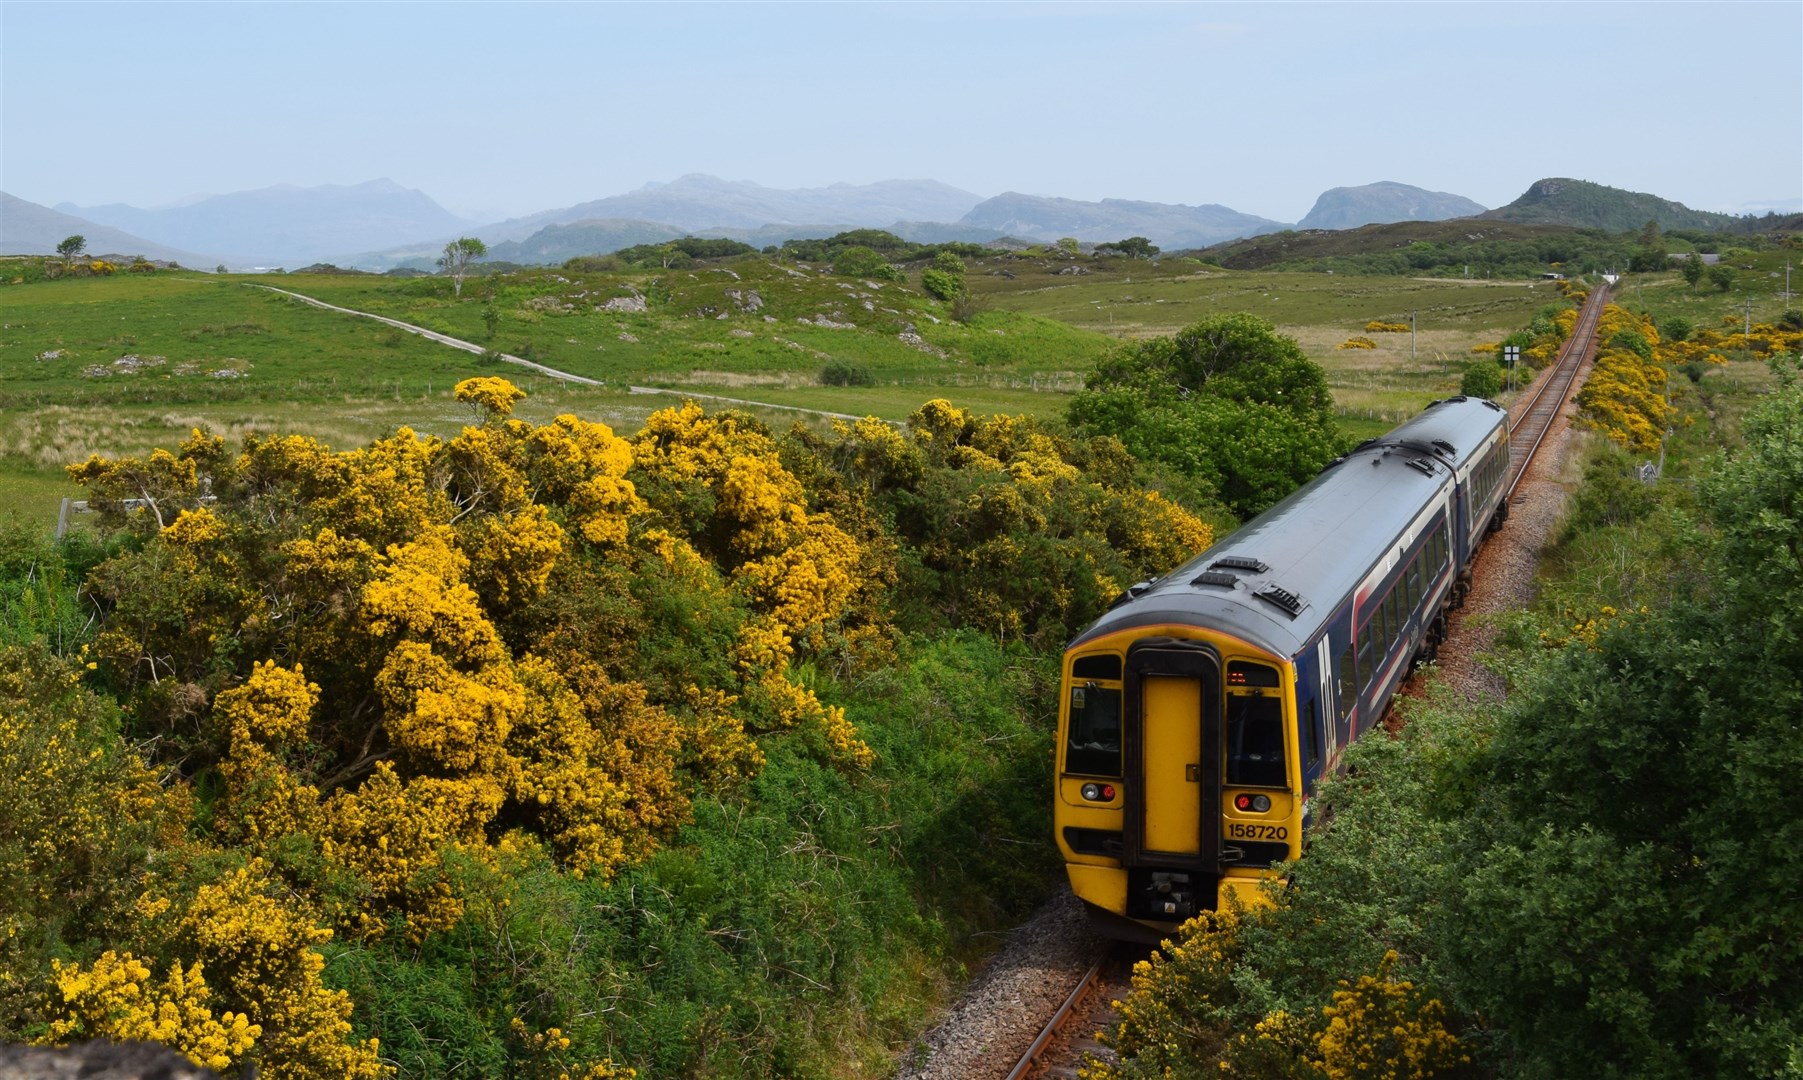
(1172, 739)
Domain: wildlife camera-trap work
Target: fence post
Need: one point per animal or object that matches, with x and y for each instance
(62, 518)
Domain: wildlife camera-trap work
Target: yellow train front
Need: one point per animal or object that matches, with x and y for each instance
(1199, 713)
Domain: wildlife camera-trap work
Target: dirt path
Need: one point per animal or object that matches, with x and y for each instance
(472, 347)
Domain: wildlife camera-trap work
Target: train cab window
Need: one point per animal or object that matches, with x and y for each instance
(1094, 745)
(1240, 673)
(1255, 741)
(1106, 666)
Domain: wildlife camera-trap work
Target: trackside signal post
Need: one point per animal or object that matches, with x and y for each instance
(1511, 357)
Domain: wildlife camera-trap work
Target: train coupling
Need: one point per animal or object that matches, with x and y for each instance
(1172, 896)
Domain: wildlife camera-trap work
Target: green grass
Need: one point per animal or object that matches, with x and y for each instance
(346, 380)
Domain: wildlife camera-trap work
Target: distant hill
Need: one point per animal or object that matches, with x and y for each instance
(286, 224)
(553, 244)
(1474, 235)
(697, 201)
(1382, 203)
(29, 229)
(1169, 225)
(1560, 201)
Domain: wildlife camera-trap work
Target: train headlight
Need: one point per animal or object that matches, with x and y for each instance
(1257, 804)
(1098, 792)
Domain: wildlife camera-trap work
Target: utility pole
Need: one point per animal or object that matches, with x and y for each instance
(1748, 332)
(1411, 337)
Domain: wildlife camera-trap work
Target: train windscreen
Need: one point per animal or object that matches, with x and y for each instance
(1255, 741)
(1094, 747)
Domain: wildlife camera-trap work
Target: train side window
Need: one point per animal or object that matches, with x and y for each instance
(1311, 734)
(1367, 656)
(1349, 680)
(1255, 741)
(1094, 744)
(1414, 580)
(1393, 604)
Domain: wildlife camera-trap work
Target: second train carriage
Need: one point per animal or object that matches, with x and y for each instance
(1200, 712)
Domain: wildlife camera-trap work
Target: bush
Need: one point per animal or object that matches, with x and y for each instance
(863, 262)
(842, 373)
(1482, 378)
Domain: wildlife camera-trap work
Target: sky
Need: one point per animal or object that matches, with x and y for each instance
(502, 109)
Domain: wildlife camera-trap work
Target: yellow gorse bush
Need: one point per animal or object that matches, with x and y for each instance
(1625, 395)
(1380, 1027)
(1357, 342)
(117, 998)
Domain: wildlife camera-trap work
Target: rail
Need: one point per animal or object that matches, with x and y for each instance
(1031, 1057)
(1528, 430)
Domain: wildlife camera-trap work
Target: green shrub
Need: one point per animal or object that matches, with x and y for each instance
(1482, 378)
(842, 373)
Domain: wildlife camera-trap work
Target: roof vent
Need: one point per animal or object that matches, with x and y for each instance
(1130, 593)
(1422, 466)
(1445, 448)
(1282, 599)
(1216, 577)
(1239, 562)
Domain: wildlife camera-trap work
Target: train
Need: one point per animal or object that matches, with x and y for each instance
(1200, 712)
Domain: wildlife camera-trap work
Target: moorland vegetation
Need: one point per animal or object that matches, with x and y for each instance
(503, 743)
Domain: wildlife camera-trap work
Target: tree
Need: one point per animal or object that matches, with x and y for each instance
(1136, 247)
(1226, 400)
(943, 279)
(860, 261)
(458, 254)
(1693, 269)
(72, 247)
(1721, 277)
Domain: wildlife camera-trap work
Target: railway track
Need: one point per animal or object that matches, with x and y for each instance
(1062, 1044)
(1536, 412)
(1069, 1038)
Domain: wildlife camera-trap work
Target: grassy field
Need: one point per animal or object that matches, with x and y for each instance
(119, 365)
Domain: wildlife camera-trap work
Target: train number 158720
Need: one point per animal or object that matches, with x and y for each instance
(1237, 830)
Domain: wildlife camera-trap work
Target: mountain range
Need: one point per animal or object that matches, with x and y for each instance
(381, 224)
(285, 224)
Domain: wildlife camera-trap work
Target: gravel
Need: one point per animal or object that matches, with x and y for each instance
(1004, 1008)
(1503, 579)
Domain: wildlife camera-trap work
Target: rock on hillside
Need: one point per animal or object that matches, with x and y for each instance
(1561, 201)
(1382, 203)
(1169, 225)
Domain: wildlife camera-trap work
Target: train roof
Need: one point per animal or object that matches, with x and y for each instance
(1276, 579)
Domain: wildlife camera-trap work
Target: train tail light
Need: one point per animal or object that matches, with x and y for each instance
(1257, 804)
(1098, 792)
